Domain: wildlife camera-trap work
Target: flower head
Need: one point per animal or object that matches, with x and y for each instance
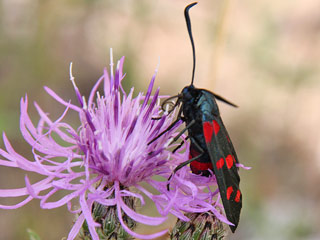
(106, 155)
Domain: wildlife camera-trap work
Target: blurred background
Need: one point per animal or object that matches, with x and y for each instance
(262, 55)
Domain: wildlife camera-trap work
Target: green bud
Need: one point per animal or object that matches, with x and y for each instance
(202, 226)
(111, 228)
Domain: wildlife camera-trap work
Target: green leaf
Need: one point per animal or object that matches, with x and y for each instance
(32, 235)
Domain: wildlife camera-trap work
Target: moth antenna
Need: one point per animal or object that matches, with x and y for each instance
(222, 99)
(187, 17)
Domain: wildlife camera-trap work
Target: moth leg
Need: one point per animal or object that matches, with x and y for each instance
(156, 118)
(181, 165)
(193, 140)
(168, 128)
(183, 130)
(180, 145)
(180, 134)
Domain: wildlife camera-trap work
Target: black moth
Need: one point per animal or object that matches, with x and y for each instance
(211, 147)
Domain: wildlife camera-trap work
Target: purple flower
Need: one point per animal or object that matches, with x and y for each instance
(100, 160)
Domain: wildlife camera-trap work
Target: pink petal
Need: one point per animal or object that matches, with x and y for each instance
(76, 227)
(60, 100)
(136, 235)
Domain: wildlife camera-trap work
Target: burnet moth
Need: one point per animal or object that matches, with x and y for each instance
(210, 144)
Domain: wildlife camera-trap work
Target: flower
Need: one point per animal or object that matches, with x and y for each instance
(99, 162)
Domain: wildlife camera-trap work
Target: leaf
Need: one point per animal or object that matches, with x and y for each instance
(33, 235)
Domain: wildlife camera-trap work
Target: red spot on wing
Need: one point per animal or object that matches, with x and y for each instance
(228, 139)
(207, 131)
(209, 128)
(220, 163)
(229, 191)
(216, 126)
(229, 161)
(238, 195)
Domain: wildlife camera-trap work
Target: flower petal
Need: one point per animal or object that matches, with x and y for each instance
(76, 227)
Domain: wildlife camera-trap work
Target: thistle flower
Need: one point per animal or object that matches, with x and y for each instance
(101, 160)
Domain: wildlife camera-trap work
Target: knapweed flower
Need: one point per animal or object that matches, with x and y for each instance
(98, 162)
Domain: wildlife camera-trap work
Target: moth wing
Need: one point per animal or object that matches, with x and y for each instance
(223, 158)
